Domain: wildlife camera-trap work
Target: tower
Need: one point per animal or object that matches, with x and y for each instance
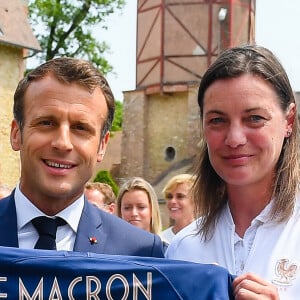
(176, 42)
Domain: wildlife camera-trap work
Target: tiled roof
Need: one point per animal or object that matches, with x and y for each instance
(15, 29)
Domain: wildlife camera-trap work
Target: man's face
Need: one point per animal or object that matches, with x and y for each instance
(60, 141)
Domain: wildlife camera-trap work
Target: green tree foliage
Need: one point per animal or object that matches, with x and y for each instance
(63, 28)
(105, 177)
(117, 122)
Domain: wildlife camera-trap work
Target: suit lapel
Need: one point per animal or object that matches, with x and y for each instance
(8, 222)
(90, 236)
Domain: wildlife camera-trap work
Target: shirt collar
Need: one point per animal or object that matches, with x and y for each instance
(263, 217)
(26, 211)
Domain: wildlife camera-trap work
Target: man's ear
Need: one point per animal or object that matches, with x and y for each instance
(112, 208)
(102, 148)
(15, 136)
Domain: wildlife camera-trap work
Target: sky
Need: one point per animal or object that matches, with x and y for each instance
(277, 28)
(121, 37)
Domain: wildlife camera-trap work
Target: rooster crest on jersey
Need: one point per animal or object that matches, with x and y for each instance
(285, 272)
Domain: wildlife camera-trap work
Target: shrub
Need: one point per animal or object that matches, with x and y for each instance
(105, 177)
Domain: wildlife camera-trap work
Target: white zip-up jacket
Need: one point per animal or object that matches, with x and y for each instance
(272, 249)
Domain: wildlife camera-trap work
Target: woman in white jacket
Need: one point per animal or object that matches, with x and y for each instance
(247, 177)
(180, 204)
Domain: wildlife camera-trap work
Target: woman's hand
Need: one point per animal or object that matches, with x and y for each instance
(250, 286)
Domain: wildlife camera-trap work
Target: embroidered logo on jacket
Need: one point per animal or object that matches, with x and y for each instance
(285, 272)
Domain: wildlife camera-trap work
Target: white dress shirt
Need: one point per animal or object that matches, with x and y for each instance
(27, 234)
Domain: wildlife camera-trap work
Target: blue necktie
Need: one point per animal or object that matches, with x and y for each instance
(46, 228)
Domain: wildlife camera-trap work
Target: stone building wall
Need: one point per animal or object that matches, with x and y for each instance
(169, 133)
(133, 127)
(11, 71)
(159, 131)
(160, 136)
(193, 122)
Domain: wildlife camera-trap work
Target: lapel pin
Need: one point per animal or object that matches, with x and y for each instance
(93, 240)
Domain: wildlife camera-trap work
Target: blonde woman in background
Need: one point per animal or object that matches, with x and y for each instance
(180, 204)
(137, 204)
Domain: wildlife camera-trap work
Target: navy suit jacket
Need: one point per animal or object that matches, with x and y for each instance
(113, 235)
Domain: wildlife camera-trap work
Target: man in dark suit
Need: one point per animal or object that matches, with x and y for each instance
(63, 111)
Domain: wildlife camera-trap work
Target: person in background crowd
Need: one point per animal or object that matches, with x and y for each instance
(247, 186)
(63, 112)
(180, 203)
(101, 195)
(4, 190)
(137, 204)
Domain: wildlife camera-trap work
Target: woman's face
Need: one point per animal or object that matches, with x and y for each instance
(180, 203)
(244, 128)
(136, 209)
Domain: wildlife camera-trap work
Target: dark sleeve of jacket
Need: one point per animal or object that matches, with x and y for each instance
(98, 232)
(101, 232)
